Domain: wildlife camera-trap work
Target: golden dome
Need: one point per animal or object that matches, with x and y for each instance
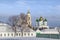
(41, 18)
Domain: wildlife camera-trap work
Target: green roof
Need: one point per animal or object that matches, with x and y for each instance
(28, 12)
(40, 19)
(37, 20)
(45, 19)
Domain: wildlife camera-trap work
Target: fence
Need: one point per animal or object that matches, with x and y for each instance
(55, 36)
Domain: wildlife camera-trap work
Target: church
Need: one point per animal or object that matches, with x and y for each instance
(26, 29)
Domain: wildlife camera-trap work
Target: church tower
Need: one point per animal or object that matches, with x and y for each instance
(37, 22)
(45, 22)
(28, 18)
(41, 21)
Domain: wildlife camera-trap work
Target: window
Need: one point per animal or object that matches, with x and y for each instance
(19, 34)
(29, 18)
(12, 34)
(8, 34)
(28, 34)
(32, 34)
(4, 34)
(16, 34)
(29, 22)
(0, 34)
(24, 33)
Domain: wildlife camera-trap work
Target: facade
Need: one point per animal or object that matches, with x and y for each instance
(41, 23)
(7, 31)
(43, 28)
(28, 17)
(25, 30)
(48, 31)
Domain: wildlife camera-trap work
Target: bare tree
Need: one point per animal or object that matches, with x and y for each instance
(13, 20)
(21, 19)
(22, 22)
(22, 16)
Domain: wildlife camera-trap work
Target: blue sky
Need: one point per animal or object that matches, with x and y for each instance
(37, 7)
(46, 8)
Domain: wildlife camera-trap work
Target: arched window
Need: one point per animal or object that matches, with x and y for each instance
(0, 34)
(25, 34)
(16, 34)
(28, 34)
(19, 34)
(29, 18)
(31, 34)
(8, 34)
(12, 34)
(29, 22)
(4, 34)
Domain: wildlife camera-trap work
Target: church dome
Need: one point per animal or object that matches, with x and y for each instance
(45, 19)
(37, 20)
(28, 12)
(41, 18)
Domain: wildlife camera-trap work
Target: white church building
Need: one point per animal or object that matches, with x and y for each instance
(7, 31)
(41, 23)
(43, 28)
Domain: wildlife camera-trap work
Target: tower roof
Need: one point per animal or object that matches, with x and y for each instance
(37, 20)
(45, 19)
(28, 11)
(41, 18)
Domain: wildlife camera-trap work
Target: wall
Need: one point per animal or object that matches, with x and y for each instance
(29, 34)
(18, 34)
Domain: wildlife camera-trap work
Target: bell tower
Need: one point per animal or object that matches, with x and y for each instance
(28, 18)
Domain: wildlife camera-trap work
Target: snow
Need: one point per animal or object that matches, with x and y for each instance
(27, 38)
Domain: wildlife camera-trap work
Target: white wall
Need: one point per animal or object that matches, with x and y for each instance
(2, 28)
(18, 34)
(40, 23)
(5, 34)
(29, 34)
(45, 23)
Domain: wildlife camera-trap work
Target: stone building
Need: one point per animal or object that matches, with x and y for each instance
(28, 18)
(42, 23)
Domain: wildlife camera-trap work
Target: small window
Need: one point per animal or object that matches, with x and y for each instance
(8, 34)
(0, 34)
(12, 34)
(16, 34)
(4, 34)
(19, 34)
(29, 22)
(28, 34)
(24, 33)
(32, 34)
(29, 18)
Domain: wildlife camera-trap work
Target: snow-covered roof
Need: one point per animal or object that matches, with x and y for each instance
(5, 27)
(50, 31)
(24, 29)
(46, 30)
(3, 24)
(37, 31)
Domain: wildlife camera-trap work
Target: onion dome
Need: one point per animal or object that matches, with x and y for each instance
(37, 20)
(28, 11)
(45, 19)
(40, 19)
